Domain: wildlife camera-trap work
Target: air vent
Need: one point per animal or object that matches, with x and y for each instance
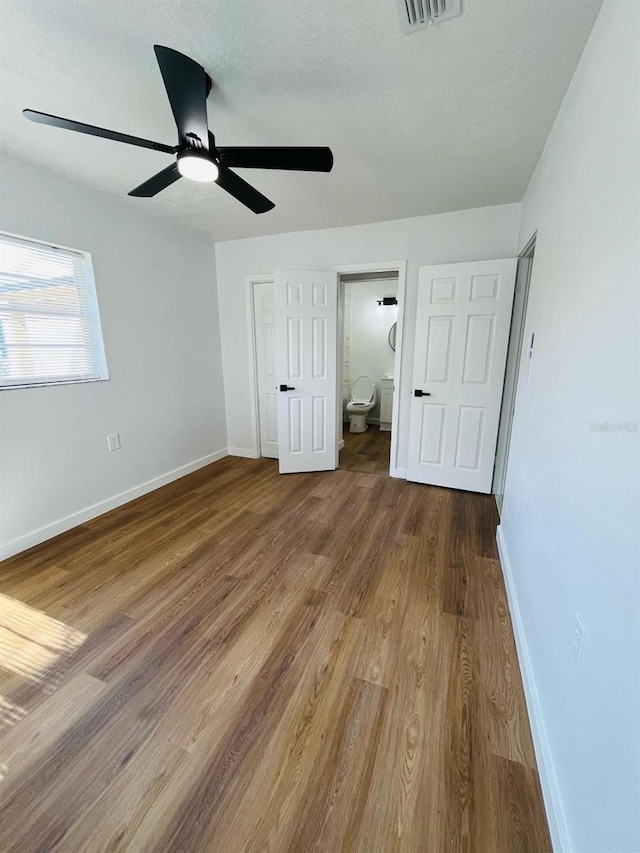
(416, 14)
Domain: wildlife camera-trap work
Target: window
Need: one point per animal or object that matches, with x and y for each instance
(49, 323)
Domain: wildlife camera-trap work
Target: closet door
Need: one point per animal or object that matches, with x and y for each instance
(462, 331)
(306, 308)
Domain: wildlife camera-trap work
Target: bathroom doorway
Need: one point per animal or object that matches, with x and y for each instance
(367, 348)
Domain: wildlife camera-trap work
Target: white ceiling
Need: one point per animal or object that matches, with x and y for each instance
(447, 118)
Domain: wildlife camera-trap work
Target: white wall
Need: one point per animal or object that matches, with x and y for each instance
(571, 514)
(484, 233)
(369, 323)
(157, 296)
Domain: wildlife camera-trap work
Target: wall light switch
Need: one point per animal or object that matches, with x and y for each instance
(113, 441)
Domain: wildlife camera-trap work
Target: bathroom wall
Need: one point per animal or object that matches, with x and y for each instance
(367, 327)
(344, 298)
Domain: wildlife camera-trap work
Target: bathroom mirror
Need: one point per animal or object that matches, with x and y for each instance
(392, 337)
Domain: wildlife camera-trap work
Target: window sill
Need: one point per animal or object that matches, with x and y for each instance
(54, 383)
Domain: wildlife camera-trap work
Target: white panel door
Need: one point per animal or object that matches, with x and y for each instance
(265, 347)
(306, 306)
(462, 332)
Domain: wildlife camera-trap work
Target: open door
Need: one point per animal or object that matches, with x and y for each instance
(306, 305)
(462, 331)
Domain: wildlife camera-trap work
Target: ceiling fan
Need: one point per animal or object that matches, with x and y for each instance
(198, 157)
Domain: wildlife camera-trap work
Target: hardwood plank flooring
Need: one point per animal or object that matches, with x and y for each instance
(243, 662)
(366, 452)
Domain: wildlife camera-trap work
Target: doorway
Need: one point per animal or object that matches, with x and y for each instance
(513, 368)
(367, 343)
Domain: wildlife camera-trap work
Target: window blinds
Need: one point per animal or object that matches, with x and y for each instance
(49, 325)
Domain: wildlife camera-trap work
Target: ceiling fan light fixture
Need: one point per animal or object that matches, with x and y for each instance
(197, 167)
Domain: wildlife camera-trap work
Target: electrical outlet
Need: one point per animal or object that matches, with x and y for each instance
(113, 441)
(579, 637)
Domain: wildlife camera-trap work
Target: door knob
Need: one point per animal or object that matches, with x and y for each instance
(287, 388)
(419, 393)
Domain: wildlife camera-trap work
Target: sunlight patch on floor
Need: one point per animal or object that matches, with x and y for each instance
(10, 713)
(32, 644)
(34, 647)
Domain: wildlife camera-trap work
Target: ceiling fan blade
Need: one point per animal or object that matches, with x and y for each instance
(158, 182)
(91, 130)
(243, 191)
(187, 86)
(302, 159)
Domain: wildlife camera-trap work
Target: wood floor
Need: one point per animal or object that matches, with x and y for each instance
(247, 662)
(367, 452)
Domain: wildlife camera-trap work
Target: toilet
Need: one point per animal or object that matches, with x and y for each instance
(363, 398)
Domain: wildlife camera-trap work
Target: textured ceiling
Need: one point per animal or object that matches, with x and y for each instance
(451, 117)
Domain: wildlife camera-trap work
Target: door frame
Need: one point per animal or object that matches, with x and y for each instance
(512, 381)
(399, 267)
(249, 282)
(396, 266)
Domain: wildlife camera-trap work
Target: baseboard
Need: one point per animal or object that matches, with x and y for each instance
(247, 453)
(63, 524)
(244, 452)
(548, 781)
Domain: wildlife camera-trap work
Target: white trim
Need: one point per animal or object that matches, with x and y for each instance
(63, 524)
(46, 243)
(249, 281)
(244, 452)
(341, 444)
(401, 267)
(512, 380)
(548, 781)
(54, 383)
